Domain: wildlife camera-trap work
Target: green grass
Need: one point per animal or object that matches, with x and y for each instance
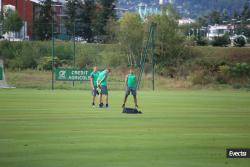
(41, 128)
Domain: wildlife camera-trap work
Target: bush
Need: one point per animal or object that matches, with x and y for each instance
(221, 41)
(202, 77)
(190, 41)
(201, 41)
(45, 63)
(240, 41)
(240, 70)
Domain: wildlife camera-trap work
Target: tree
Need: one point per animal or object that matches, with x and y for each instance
(12, 22)
(85, 22)
(225, 15)
(245, 14)
(43, 26)
(89, 19)
(239, 41)
(72, 10)
(169, 46)
(112, 30)
(131, 35)
(215, 18)
(105, 10)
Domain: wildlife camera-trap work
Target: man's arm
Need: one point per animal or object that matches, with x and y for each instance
(103, 78)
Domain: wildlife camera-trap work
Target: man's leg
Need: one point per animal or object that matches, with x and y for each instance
(105, 92)
(93, 96)
(126, 97)
(107, 100)
(135, 101)
(93, 101)
(125, 100)
(135, 97)
(100, 104)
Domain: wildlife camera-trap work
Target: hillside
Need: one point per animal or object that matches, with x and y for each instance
(190, 8)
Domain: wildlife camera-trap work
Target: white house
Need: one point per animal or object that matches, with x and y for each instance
(217, 31)
(185, 21)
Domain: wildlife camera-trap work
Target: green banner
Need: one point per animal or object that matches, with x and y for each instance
(1, 73)
(69, 74)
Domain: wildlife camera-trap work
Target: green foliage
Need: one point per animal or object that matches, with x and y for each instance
(200, 65)
(6, 50)
(43, 25)
(201, 78)
(85, 20)
(71, 9)
(169, 47)
(45, 63)
(240, 70)
(103, 14)
(12, 22)
(23, 55)
(221, 40)
(202, 41)
(113, 57)
(240, 41)
(131, 36)
(112, 30)
(89, 19)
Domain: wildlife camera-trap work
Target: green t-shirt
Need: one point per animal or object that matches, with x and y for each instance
(131, 81)
(101, 76)
(94, 76)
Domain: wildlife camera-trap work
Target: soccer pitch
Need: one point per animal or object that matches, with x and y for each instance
(178, 128)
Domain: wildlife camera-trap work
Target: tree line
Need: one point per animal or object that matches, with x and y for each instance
(87, 19)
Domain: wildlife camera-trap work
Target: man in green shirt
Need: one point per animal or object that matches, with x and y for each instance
(102, 84)
(93, 84)
(130, 83)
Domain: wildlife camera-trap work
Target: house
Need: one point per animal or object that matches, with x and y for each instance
(28, 11)
(218, 31)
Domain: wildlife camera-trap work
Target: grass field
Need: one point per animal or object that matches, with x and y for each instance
(188, 128)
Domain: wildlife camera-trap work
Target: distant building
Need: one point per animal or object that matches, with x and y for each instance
(28, 11)
(163, 2)
(218, 31)
(185, 21)
(24, 10)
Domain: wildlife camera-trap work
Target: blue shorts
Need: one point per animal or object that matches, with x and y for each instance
(94, 91)
(104, 90)
(130, 90)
